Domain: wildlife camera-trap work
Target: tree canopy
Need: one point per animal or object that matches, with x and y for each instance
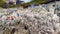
(2, 3)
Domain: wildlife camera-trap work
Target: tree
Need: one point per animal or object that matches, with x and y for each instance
(2, 3)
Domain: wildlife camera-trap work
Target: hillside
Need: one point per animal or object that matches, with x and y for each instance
(41, 1)
(38, 2)
(27, 4)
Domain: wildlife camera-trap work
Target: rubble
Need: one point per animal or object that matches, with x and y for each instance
(36, 20)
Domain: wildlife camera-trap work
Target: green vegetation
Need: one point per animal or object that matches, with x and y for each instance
(38, 1)
(12, 6)
(35, 2)
(24, 4)
(2, 3)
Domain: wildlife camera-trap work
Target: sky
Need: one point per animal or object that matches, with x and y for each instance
(26, 0)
